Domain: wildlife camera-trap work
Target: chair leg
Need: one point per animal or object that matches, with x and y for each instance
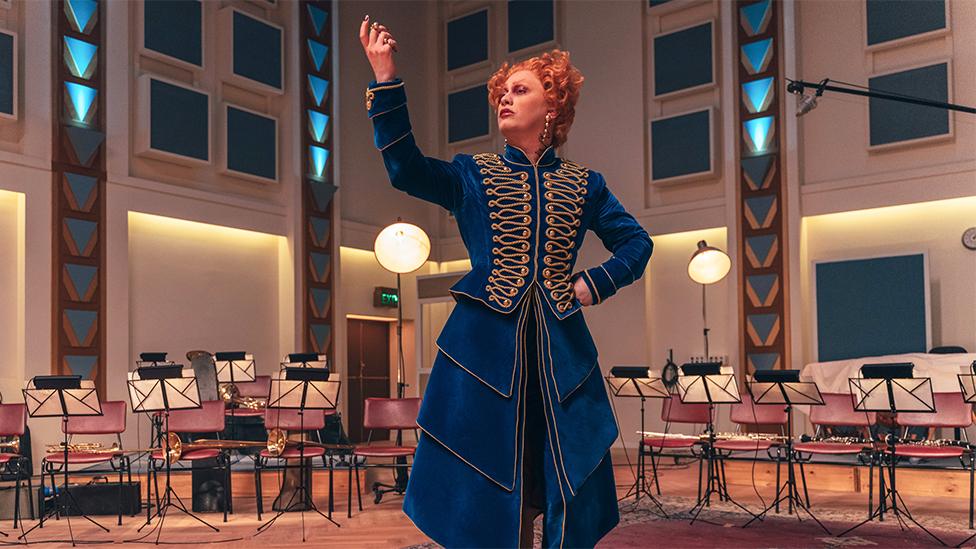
(776, 495)
(30, 491)
(972, 469)
(121, 477)
(657, 484)
(228, 497)
(349, 498)
(331, 492)
(17, 497)
(359, 488)
(258, 493)
(41, 505)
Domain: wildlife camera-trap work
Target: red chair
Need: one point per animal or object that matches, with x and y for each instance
(291, 420)
(394, 414)
(674, 411)
(13, 423)
(837, 410)
(209, 418)
(748, 413)
(260, 388)
(952, 412)
(111, 422)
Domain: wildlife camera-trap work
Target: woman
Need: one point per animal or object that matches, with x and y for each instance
(515, 420)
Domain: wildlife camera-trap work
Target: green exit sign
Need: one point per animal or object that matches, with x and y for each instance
(385, 297)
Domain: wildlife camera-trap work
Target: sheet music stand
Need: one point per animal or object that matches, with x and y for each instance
(890, 388)
(784, 388)
(703, 383)
(635, 382)
(967, 383)
(232, 368)
(162, 389)
(302, 388)
(64, 397)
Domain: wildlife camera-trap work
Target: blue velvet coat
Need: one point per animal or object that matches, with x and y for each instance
(522, 225)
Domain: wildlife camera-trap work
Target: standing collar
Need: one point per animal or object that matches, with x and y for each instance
(516, 155)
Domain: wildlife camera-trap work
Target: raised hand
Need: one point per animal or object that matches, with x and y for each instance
(379, 46)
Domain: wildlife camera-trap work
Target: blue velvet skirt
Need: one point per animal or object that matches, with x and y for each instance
(457, 504)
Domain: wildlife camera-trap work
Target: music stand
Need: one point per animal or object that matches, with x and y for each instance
(967, 383)
(64, 397)
(784, 388)
(703, 383)
(891, 388)
(233, 367)
(164, 388)
(634, 382)
(303, 388)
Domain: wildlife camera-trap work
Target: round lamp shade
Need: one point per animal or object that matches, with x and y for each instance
(708, 265)
(402, 248)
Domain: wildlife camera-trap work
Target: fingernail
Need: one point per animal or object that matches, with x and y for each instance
(367, 17)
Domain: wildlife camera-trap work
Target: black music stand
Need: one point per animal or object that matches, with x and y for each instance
(967, 383)
(64, 397)
(634, 382)
(303, 388)
(164, 388)
(156, 420)
(703, 383)
(784, 388)
(233, 367)
(891, 388)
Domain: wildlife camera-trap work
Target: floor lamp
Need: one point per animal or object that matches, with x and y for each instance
(400, 248)
(708, 265)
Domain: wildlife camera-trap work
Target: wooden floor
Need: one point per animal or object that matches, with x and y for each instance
(929, 493)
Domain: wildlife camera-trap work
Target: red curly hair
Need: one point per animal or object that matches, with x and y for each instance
(561, 83)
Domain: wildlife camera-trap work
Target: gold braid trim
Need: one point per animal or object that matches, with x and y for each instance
(509, 207)
(565, 194)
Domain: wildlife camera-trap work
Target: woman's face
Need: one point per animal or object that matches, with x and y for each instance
(522, 109)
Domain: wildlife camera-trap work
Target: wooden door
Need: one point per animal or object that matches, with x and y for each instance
(368, 354)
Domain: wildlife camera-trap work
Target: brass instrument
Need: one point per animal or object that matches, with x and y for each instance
(836, 440)
(13, 445)
(278, 442)
(229, 393)
(83, 447)
(718, 436)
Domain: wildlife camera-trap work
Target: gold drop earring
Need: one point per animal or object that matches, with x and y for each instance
(544, 137)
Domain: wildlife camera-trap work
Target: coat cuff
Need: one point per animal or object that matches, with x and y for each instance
(386, 103)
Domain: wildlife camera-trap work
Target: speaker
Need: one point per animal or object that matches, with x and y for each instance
(102, 498)
(209, 492)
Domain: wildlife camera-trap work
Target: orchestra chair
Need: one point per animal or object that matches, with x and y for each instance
(208, 418)
(394, 414)
(951, 412)
(675, 411)
(289, 419)
(746, 413)
(260, 388)
(13, 423)
(111, 422)
(837, 410)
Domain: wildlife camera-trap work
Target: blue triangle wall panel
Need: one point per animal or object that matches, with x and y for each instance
(319, 18)
(80, 191)
(320, 265)
(80, 235)
(80, 365)
(320, 336)
(762, 329)
(319, 228)
(80, 281)
(83, 143)
(762, 289)
(760, 211)
(80, 326)
(758, 171)
(320, 299)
